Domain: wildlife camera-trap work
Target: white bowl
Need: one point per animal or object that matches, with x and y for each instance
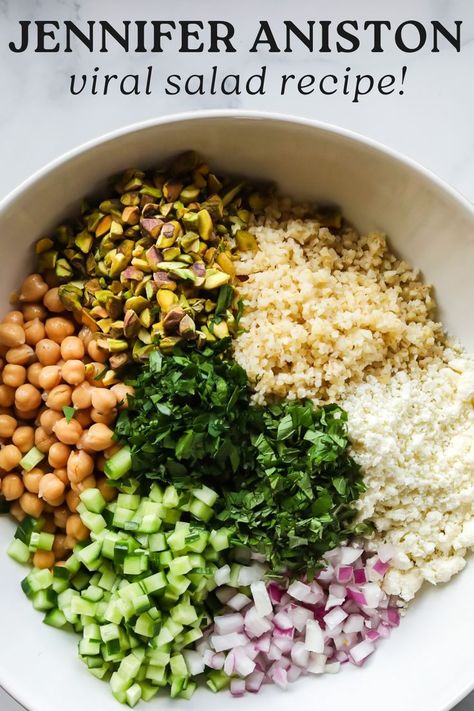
(427, 664)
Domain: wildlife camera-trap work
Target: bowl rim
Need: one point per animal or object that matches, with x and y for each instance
(209, 114)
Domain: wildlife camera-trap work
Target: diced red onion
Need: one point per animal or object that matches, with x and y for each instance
(314, 638)
(334, 617)
(316, 663)
(228, 641)
(344, 574)
(380, 567)
(255, 625)
(283, 621)
(237, 687)
(354, 623)
(254, 681)
(293, 673)
(261, 598)
(243, 664)
(239, 601)
(222, 576)
(194, 662)
(360, 576)
(275, 592)
(299, 591)
(309, 627)
(225, 624)
(361, 651)
(249, 574)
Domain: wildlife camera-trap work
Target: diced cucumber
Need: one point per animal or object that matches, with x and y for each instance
(55, 618)
(206, 495)
(31, 459)
(19, 551)
(119, 464)
(201, 511)
(93, 500)
(93, 521)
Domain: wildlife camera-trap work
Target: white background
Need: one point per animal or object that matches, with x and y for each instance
(432, 121)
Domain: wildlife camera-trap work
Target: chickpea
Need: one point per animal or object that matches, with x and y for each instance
(32, 311)
(31, 504)
(86, 336)
(58, 328)
(49, 526)
(96, 353)
(43, 440)
(14, 375)
(97, 438)
(47, 351)
(24, 438)
(59, 397)
(60, 548)
(103, 400)
(17, 512)
(76, 528)
(88, 483)
(27, 397)
(73, 371)
(51, 488)
(84, 418)
(26, 414)
(100, 462)
(22, 355)
(32, 480)
(59, 501)
(12, 487)
(105, 418)
(9, 457)
(50, 376)
(7, 395)
(11, 334)
(68, 432)
(122, 393)
(58, 454)
(33, 372)
(44, 559)
(61, 473)
(52, 301)
(70, 542)
(13, 317)
(72, 348)
(79, 466)
(33, 288)
(72, 500)
(61, 515)
(82, 396)
(48, 419)
(34, 332)
(8, 425)
(108, 492)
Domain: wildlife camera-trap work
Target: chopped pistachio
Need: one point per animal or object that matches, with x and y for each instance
(205, 224)
(43, 245)
(215, 278)
(245, 241)
(131, 215)
(166, 299)
(224, 261)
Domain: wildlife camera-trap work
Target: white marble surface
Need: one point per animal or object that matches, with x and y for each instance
(431, 122)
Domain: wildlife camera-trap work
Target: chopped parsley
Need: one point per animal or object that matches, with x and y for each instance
(286, 480)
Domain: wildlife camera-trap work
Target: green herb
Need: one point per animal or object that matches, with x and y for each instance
(286, 481)
(69, 413)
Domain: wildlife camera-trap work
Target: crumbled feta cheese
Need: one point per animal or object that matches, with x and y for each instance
(414, 438)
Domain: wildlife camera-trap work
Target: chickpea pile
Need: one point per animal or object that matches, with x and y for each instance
(47, 363)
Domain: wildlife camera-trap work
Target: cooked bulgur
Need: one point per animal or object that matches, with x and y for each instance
(324, 310)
